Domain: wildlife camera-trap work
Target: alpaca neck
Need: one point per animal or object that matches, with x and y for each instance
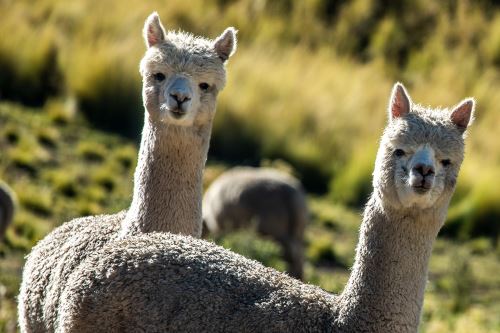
(386, 288)
(168, 180)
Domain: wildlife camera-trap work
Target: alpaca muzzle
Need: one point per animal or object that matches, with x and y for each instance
(178, 97)
(422, 178)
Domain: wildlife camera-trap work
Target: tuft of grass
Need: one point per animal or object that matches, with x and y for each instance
(11, 134)
(248, 244)
(321, 253)
(91, 151)
(61, 111)
(126, 156)
(106, 178)
(37, 200)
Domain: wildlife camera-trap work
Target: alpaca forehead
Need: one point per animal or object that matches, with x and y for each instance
(168, 58)
(424, 153)
(167, 54)
(416, 130)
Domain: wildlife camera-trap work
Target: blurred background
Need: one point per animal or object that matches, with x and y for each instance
(307, 93)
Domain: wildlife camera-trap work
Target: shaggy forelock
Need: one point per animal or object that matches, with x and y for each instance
(191, 44)
(424, 125)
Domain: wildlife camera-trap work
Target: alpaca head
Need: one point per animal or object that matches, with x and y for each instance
(421, 152)
(182, 74)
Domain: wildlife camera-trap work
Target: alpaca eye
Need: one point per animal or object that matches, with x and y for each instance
(204, 86)
(159, 77)
(399, 152)
(446, 162)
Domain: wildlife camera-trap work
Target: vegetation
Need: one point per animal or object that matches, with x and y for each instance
(308, 87)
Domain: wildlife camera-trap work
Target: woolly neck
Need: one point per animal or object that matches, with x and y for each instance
(386, 288)
(168, 180)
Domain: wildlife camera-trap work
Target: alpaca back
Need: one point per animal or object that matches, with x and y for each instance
(163, 282)
(52, 260)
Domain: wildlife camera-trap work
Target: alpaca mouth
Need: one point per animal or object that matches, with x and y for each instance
(422, 188)
(177, 113)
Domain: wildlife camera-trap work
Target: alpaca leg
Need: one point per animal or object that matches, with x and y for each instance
(294, 256)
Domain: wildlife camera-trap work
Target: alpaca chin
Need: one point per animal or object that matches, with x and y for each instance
(409, 197)
(170, 117)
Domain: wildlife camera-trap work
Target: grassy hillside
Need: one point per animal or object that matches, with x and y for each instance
(60, 170)
(307, 89)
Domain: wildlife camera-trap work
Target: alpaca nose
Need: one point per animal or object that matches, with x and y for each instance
(180, 97)
(179, 92)
(424, 169)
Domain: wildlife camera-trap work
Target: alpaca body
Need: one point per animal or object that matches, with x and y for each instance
(7, 208)
(165, 282)
(182, 75)
(194, 291)
(272, 201)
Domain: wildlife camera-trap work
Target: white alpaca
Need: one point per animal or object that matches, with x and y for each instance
(162, 282)
(182, 75)
(271, 199)
(7, 208)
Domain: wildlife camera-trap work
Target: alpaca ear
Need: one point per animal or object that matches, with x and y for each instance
(463, 114)
(153, 32)
(225, 44)
(400, 102)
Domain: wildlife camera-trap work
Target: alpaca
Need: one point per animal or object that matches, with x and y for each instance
(272, 199)
(182, 76)
(163, 282)
(7, 208)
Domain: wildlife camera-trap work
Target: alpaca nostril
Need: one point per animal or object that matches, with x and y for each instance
(180, 98)
(424, 169)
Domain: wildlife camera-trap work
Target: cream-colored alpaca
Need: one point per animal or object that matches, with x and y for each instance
(162, 282)
(182, 75)
(272, 200)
